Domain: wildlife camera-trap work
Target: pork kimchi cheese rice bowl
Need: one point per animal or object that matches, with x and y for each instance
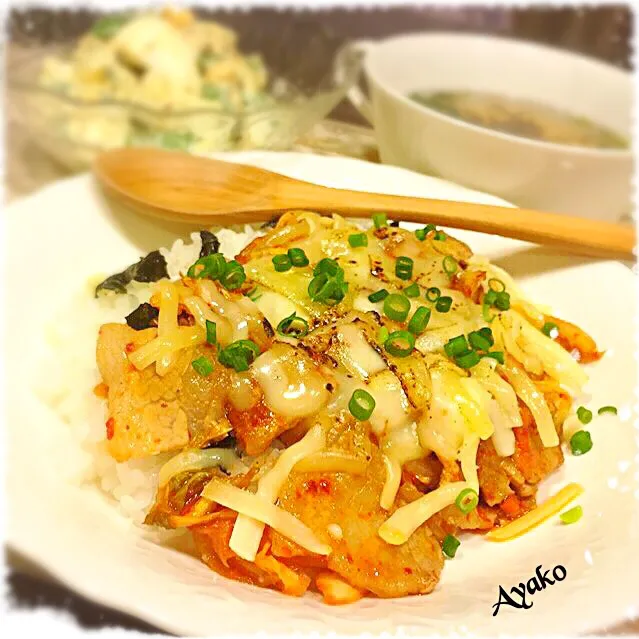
(333, 408)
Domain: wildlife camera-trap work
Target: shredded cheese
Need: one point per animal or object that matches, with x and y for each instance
(247, 533)
(401, 445)
(535, 517)
(332, 462)
(167, 322)
(398, 528)
(180, 338)
(535, 401)
(256, 507)
(468, 461)
(472, 403)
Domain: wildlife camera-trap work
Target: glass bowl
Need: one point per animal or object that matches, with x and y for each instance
(310, 71)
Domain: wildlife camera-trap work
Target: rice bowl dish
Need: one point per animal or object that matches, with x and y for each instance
(471, 469)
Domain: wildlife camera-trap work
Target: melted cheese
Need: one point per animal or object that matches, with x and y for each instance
(503, 438)
(247, 532)
(537, 516)
(292, 385)
(391, 403)
(255, 507)
(357, 355)
(398, 528)
(444, 428)
(275, 307)
(241, 393)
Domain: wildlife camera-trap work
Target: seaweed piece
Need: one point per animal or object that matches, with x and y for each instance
(144, 316)
(228, 442)
(210, 243)
(271, 223)
(149, 269)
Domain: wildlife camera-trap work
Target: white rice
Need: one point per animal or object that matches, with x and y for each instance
(70, 374)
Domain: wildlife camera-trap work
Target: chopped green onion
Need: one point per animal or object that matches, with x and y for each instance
(584, 415)
(467, 500)
(419, 320)
(443, 304)
(211, 332)
(572, 516)
(498, 355)
(420, 234)
(550, 329)
(361, 405)
(400, 343)
(382, 335)
(254, 294)
(212, 266)
(450, 265)
(440, 236)
(282, 263)
(496, 285)
(450, 546)
(327, 266)
(298, 257)
(404, 268)
(358, 239)
(478, 341)
(580, 442)
(293, 326)
(412, 290)
(488, 334)
(378, 296)
(429, 228)
(490, 297)
(433, 294)
(203, 366)
(456, 346)
(467, 360)
(379, 220)
(396, 307)
(486, 314)
(326, 289)
(234, 276)
(239, 355)
(503, 301)
(607, 409)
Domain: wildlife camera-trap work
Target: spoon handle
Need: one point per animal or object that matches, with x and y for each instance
(575, 234)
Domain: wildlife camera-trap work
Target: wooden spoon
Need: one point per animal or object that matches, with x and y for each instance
(182, 187)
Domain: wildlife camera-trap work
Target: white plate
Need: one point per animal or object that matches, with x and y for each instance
(66, 232)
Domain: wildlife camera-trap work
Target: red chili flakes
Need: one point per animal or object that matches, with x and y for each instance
(408, 570)
(315, 487)
(110, 428)
(163, 404)
(130, 347)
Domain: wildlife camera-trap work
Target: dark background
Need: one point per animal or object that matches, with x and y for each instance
(602, 32)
